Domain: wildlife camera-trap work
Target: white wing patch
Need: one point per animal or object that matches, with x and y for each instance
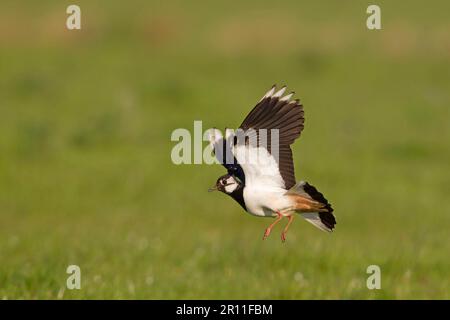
(260, 167)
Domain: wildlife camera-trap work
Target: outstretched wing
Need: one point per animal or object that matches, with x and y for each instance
(274, 111)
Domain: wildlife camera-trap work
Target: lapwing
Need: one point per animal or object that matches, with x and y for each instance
(261, 174)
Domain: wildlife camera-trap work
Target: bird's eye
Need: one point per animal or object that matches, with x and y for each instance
(224, 181)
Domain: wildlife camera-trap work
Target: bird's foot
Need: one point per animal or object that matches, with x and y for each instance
(267, 233)
(283, 234)
(269, 229)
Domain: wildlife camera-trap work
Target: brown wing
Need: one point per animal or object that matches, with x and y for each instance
(277, 112)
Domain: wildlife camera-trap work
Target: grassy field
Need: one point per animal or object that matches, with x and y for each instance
(86, 176)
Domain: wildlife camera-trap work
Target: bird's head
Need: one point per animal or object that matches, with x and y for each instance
(226, 184)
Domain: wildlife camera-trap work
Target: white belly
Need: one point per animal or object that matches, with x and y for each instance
(266, 201)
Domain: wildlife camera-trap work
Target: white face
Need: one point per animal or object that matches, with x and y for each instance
(229, 184)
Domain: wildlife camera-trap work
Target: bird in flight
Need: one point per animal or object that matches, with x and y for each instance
(260, 174)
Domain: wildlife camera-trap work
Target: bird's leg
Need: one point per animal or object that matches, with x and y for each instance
(269, 229)
(283, 234)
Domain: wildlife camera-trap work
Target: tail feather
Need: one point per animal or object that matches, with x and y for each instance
(313, 206)
(316, 220)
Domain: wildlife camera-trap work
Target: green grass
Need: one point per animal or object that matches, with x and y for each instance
(85, 170)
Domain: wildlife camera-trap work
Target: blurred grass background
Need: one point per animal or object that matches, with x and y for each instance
(85, 170)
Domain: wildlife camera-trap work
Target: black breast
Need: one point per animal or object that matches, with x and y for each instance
(238, 195)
